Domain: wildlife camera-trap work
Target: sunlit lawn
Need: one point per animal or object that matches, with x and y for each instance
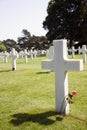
(27, 98)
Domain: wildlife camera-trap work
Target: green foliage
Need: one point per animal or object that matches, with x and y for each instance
(9, 44)
(66, 19)
(34, 42)
(26, 41)
(27, 98)
(2, 47)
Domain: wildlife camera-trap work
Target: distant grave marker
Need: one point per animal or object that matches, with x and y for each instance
(72, 51)
(31, 54)
(35, 53)
(79, 50)
(50, 52)
(6, 54)
(25, 56)
(14, 56)
(84, 53)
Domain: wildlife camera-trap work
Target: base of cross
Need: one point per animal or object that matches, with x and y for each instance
(13, 69)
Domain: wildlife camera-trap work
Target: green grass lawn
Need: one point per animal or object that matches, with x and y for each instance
(27, 98)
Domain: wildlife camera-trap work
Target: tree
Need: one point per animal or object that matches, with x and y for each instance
(39, 42)
(24, 40)
(9, 44)
(65, 19)
(82, 35)
(35, 42)
(2, 47)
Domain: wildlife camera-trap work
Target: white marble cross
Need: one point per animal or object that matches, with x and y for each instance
(21, 53)
(14, 57)
(31, 53)
(50, 52)
(35, 53)
(25, 56)
(72, 50)
(6, 54)
(79, 50)
(60, 64)
(84, 53)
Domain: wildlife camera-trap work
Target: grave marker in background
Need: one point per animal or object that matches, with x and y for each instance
(25, 56)
(50, 52)
(31, 54)
(79, 50)
(84, 53)
(14, 57)
(5, 57)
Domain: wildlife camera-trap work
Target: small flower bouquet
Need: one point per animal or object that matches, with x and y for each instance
(71, 95)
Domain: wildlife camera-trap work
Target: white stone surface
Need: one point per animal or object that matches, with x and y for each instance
(35, 53)
(60, 64)
(50, 52)
(79, 50)
(84, 53)
(14, 57)
(21, 53)
(72, 51)
(6, 54)
(25, 56)
(31, 53)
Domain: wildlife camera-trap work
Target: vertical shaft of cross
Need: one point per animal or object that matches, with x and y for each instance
(61, 77)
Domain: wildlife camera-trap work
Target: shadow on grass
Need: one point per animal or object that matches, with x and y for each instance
(47, 72)
(46, 118)
(78, 118)
(1, 71)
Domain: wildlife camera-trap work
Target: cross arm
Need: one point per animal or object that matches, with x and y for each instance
(47, 64)
(74, 64)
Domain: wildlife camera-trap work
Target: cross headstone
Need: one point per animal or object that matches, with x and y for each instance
(1, 55)
(84, 53)
(35, 53)
(5, 57)
(14, 57)
(60, 64)
(25, 56)
(21, 54)
(72, 51)
(79, 50)
(50, 52)
(31, 54)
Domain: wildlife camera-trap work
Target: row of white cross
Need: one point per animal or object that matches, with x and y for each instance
(14, 55)
(60, 64)
(72, 51)
(49, 53)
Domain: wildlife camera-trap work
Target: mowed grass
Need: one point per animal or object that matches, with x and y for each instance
(27, 98)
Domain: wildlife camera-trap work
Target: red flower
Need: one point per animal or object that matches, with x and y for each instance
(73, 93)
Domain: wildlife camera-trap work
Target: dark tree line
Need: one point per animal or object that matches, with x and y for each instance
(26, 41)
(67, 19)
(34, 42)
